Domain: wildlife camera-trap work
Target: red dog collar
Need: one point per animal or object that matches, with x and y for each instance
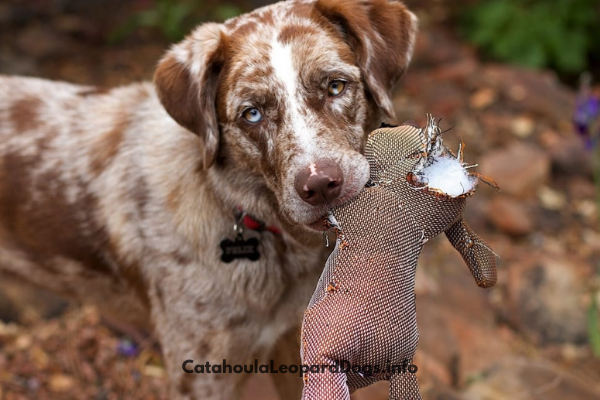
(257, 225)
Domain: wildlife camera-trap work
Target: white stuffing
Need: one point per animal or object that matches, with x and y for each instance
(448, 175)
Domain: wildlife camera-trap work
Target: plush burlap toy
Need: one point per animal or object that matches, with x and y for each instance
(360, 326)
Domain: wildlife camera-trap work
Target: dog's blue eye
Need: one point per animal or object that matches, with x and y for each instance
(252, 115)
(336, 87)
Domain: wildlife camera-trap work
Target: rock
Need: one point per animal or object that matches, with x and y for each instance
(551, 199)
(569, 157)
(550, 221)
(544, 298)
(592, 239)
(514, 378)
(494, 127)
(458, 71)
(535, 91)
(548, 138)
(587, 209)
(432, 368)
(580, 188)
(437, 347)
(154, 371)
(482, 98)
(509, 216)
(456, 323)
(61, 383)
(7, 332)
(518, 169)
(522, 126)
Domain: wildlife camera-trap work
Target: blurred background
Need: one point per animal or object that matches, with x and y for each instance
(512, 78)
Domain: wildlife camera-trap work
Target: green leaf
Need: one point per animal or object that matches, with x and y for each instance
(536, 33)
(594, 326)
(226, 11)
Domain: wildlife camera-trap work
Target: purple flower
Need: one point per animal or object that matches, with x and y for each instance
(127, 348)
(587, 113)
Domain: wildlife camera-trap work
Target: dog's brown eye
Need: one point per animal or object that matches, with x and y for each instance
(336, 87)
(252, 115)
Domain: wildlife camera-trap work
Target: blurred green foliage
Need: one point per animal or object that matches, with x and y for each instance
(593, 322)
(560, 34)
(173, 19)
(594, 325)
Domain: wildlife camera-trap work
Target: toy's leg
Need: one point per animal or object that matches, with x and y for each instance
(404, 387)
(325, 386)
(480, 259)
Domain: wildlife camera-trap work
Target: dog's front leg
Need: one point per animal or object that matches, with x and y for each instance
(191, 329)
(287, 352)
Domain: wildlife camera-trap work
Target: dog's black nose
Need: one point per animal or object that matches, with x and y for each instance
(320, 183)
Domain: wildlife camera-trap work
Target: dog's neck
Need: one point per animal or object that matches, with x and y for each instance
(250, 193)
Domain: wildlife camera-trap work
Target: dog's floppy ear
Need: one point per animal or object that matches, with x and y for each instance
(381, 33)
(186, 81)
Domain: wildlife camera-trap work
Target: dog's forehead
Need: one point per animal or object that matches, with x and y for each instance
(255, 40)
(272, 15)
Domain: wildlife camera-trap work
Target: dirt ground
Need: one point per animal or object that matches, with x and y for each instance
(528, 337)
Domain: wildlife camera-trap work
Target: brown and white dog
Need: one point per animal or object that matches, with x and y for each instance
(121, 197)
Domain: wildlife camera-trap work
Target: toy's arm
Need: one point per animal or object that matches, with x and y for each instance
(480, 259)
